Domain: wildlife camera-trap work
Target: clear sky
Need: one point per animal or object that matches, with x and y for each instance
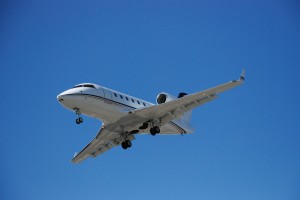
(246, 144)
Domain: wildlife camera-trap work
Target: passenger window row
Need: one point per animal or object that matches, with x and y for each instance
(133, 101)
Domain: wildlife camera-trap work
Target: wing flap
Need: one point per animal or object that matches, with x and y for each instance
(102, 148)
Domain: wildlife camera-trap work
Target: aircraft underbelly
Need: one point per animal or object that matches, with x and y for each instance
(108, 110)
(101, 108)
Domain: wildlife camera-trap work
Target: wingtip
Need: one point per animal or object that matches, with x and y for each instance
(74, 161)
(243, 74)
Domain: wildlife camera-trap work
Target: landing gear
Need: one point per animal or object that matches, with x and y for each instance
(154, 130)
(126, 144)
(79, 119)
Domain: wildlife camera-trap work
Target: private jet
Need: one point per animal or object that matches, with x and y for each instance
(123, 116)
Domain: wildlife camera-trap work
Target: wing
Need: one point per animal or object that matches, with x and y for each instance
(168, 111)
(105, 139)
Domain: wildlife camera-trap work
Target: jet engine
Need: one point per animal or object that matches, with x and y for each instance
(165, 97)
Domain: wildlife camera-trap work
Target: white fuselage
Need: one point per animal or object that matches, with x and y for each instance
(108, 105)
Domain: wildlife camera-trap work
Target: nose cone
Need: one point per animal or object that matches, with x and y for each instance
(70, 98)
(60, 97)
(65, 100)
(64, 96)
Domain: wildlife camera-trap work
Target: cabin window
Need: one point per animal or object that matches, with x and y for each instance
(121, 96)
(132, 100)
(127, 99)
(144, 104)
(138, 102)
(115, 95)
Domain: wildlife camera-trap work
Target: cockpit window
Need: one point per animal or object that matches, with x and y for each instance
(89, 85)
(86, 85)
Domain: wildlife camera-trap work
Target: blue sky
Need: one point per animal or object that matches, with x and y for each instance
(246, 144)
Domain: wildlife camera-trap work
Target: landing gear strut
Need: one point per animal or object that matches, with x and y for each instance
(79, 119)
(126, 144)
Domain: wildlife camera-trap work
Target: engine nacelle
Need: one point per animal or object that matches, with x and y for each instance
(164, 97)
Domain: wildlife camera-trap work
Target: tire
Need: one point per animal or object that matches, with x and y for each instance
(124, 145)
(128, 143)
(152, 131)
(80, 119)
(157, 129)
(77, 121)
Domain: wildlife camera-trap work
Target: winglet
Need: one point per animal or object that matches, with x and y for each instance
(242, 77)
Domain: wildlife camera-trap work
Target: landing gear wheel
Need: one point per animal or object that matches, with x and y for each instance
(79, 120)
(154, 130)
(157, 129)
(124, 145)
(128, 143)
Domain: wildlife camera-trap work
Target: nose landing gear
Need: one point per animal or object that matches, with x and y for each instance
(79, 119)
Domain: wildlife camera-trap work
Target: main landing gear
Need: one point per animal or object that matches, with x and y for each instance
(79, 119)
(126, 144)
(154, 130)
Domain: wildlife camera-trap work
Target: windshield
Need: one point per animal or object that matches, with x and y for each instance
(85, 85)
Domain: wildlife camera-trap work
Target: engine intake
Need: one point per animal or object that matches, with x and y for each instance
(164, 97)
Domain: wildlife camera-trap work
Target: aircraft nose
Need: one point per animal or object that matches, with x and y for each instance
(60, 97)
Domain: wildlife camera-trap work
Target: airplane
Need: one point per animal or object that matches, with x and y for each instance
(124, 116)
